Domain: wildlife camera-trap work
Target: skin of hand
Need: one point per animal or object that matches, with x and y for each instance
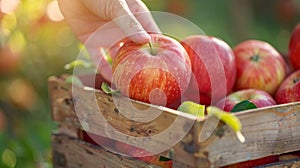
(102, 23)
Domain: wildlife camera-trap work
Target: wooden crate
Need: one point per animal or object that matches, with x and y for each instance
(271, 133)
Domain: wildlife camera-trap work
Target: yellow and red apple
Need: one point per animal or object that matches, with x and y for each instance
(158, 72)
(289, 90)
(259, 66)
(259, 98)
(294, 48)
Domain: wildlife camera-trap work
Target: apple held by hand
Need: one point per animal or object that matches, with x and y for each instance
(294, 47)
(289, 90)
(259, 66)
(213, 67)
(257, 97)
(158, 72)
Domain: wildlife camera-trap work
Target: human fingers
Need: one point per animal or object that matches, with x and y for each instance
(119, 12)
(143, 15)
(130, 25)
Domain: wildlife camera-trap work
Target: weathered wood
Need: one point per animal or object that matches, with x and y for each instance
(70, 152)
(95, 112)
(268, 131)
(293, 163)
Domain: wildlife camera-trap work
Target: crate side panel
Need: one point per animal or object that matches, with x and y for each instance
(70, 152)
(268, 131)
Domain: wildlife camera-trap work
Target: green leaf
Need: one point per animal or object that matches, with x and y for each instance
(108, 90)
(74, 80)
(192, 108)
(164, 159)
(79, 63)
(243, 105)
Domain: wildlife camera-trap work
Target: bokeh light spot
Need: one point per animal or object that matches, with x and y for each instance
(9, 158)
(8, 6)
(8, 24)
(53, 11)
(22, 94)
(17, 42)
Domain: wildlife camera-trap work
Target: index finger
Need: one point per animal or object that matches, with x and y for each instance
(143, 15)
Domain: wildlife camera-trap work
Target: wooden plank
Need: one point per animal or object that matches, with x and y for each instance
(268, 131)
(293, 163)
(98, 113)
(70, 152)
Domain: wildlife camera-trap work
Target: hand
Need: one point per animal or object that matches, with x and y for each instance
(108, 20)
(102, 23)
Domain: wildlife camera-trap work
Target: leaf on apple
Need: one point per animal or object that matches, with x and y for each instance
(164, 159)
(243, 105)
(108, 90)
(192, 108)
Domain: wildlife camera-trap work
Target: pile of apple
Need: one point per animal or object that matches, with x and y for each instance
(206, 70)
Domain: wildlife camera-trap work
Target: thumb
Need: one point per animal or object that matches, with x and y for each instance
(130, 26)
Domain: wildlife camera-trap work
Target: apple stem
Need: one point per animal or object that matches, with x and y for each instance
(296, 80)
(152, 50)
(255, 58)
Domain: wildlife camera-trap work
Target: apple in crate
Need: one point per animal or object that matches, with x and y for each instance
(142, 154)
(294, 47)
(289, 90)
(259, 66)
(157, 72)
(259, 98)
(213, 67)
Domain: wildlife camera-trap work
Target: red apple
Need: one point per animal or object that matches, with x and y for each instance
(98, 140)
(289, 90)
(260, 162)
(141, 154)
(258, 97)
(259, 66)
(213, 67)
(158, 72)
(294, 47)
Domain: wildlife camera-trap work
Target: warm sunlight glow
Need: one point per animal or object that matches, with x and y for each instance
(8, 6)
(53, 11)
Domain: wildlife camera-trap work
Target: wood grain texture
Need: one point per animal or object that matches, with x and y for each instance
(69, 152)
(293, 163)
(268, 131)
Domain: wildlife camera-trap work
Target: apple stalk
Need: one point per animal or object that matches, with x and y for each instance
(152, 50)
(255, 58)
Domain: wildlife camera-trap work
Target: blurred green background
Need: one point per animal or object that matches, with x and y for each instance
(36, 43)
